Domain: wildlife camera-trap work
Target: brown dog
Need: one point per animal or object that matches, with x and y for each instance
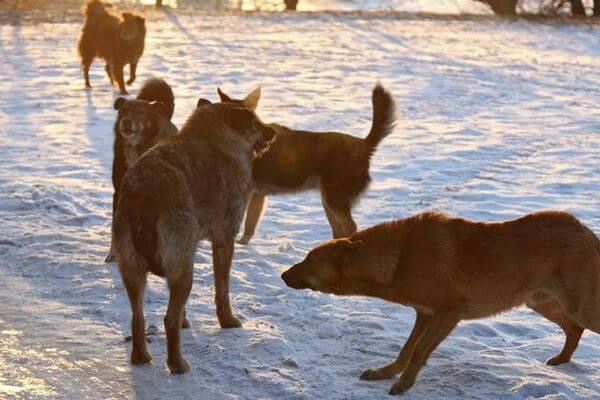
(118, 42)
(334, 163)
(452, 269)
(188, 187)
(140, 124)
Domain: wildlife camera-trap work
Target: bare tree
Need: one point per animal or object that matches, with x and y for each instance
(290, 5)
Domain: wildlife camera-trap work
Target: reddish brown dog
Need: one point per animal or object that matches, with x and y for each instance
(118, 41)
(450, 269)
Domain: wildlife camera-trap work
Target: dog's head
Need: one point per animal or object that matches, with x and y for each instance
(132, 27)
(245, 131)
(139, 120)
(250, 101)
(325, 268)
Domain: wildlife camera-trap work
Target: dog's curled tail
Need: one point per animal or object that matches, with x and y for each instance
(384, 116)
(93, 8)
(156, 89)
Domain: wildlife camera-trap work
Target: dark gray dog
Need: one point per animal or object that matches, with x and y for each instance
(189, 187)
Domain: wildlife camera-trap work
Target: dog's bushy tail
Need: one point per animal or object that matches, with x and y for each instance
(93, 8)
(156, 89)
(384, 116)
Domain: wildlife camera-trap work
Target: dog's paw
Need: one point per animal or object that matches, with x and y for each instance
(373, 375)
(110, 257)
(231, 322)
(185, 323)
(402, 385)
(244, 239)
(559, 359)
(178, 366)
(129, 82)
(140, 357)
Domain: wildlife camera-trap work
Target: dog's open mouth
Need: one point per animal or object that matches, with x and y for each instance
(129, 133)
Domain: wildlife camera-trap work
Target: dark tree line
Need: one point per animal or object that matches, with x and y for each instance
(509, 7)
(500, 7)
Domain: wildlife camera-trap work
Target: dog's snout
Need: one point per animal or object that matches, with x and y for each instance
(126, 123)
(269, 134)
(292, 279)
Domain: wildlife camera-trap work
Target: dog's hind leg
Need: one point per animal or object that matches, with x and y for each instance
(222, 251)
(401, 361)
(254, 211)
(185, 323)
(552, 310)
(108, 69)
(439, 326)
(134, 280)
(339, 216)
(179, 278)
(336, 230)
(86, 63)
(132, 70)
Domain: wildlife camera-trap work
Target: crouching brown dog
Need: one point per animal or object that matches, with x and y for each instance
(188, 187)
(140, 124)
(117, 41)
(450, 269)
(335, 163)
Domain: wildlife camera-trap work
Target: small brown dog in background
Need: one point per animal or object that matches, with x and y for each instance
(118, 42)
(334, 163)
(450, 269)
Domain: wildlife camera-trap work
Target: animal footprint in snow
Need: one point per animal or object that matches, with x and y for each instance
(150, 333)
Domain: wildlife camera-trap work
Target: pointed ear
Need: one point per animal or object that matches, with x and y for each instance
(127, 15)
(224, 98)
(140, 20)
(202, 102)
(251, 100)
(347, 244)
(120, 102)
(239, 118)
(160, 108)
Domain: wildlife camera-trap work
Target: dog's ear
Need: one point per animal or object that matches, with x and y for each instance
(224, 98)
(239, 118)
(127, 15)
(348, 245)
(120, 102)
(202, 102)
(251, 100)
(347, 250)
(140, 20)
(160, 108)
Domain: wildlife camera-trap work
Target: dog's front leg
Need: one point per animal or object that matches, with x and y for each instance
(222, 257)
(399, 364)
(439, 326)
(256, 205)
(132, 69)
(117, 74)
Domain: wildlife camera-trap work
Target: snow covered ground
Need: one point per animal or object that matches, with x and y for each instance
(498, 118)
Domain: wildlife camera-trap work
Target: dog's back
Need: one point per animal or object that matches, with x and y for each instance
(99, 27)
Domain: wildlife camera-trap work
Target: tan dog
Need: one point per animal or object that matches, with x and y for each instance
(334, 163)
(117, 41)
(450, 269)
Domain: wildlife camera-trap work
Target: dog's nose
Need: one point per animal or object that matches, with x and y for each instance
(126, 123)
(269, 134)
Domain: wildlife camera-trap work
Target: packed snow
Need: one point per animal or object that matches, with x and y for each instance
(498, 118)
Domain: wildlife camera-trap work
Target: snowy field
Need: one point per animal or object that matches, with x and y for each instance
(498, 118)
